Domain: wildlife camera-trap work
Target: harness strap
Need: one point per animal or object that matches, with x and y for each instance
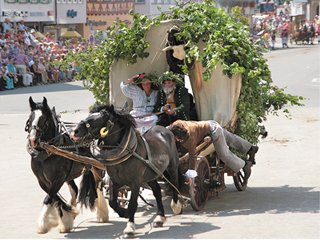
(148, 161)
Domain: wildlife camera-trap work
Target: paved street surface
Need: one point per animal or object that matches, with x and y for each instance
(281, 201)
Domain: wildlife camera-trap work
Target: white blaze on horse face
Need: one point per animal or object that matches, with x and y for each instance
(33, 132)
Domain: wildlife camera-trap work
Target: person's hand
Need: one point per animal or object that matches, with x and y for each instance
(166, 107)
(170, 112)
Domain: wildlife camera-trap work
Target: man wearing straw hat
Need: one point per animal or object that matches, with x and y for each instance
(143, 92)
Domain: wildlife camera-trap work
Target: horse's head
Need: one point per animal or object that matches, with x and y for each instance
(96, 126)
(102, 121)
(40, 124)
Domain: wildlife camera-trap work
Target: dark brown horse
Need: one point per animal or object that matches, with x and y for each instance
(53, 171)
(116, 130)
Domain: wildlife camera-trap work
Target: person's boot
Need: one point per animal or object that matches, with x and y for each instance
(252, 152)
(282, 45)
(247, 171)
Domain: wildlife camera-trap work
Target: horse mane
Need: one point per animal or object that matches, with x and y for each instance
(122, 116)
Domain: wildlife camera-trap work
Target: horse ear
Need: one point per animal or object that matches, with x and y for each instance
(32, 104)
(111, 108)
(45, 102)
(45, 105)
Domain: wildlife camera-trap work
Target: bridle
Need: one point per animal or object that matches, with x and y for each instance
(43, 130)
(103, 131)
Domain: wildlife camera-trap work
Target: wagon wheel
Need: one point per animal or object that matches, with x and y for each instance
(239, 181)
(198, 193)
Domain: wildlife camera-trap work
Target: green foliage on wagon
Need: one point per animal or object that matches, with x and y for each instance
(227, 44)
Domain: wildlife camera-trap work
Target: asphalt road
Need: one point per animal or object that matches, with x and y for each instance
(281, 201)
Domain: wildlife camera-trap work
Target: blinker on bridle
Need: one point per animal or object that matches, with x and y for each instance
(103, 131)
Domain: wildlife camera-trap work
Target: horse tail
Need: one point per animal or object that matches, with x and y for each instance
(88, 192)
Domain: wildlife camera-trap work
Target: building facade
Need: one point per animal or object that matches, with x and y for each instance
(102, 13)
(56, 16)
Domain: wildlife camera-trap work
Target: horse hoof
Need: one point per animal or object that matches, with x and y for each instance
(157, 224)
(128, 235)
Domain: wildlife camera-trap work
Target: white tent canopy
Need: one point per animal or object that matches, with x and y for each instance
(216, 100)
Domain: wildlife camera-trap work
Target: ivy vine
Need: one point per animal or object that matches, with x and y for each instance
(227, 44)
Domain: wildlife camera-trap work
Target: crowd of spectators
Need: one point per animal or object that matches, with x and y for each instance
(278, 26)
(25, 60)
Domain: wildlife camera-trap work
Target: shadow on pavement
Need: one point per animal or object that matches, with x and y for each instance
(264, 200)
(230, 202)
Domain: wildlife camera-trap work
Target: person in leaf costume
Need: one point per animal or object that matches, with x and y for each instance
(173, 99)
(143, 92)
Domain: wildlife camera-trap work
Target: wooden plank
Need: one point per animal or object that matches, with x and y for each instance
(75, 157)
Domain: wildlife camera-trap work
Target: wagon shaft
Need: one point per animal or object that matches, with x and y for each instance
(72, 156)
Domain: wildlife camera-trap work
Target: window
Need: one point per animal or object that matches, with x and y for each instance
(58, 1)
(168, 1)
(161, 1)
(154, 1)
(140, 1)
(69, 1)
(75, 1)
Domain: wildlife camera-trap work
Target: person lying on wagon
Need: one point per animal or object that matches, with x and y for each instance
(142, 90)
(190, 133)
(173, 99)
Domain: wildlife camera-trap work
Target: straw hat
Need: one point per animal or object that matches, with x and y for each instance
(32, 31)
(144, 78)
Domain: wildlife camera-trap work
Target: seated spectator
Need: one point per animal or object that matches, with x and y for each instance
(3, 77)
(53, 70)
(3, 41)
(8, 34)
(4, 53)
(47, 38)
(30, 76)
(18, 77)
(37, 73)
(42, 69)
(10, 74)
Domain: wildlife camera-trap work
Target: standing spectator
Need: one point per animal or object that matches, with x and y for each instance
(6, 25)
(273, 39)
(15, 49)
(21, 61)
(284, 38)
(22, 27)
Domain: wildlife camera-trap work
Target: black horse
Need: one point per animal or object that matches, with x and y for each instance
(52, 171)
(116, 130)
